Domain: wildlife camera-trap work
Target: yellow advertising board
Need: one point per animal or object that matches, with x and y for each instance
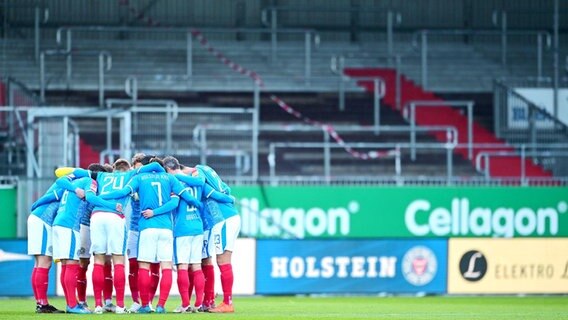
(537, 265)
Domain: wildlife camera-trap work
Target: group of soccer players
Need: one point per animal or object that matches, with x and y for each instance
(174, 215)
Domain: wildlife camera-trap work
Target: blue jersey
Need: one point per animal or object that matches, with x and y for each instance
(155, 189)
(135, 214)
(111, 181)
(187, 220)
(212, 178)
(87, 210)
(46, 207)
(69, 213)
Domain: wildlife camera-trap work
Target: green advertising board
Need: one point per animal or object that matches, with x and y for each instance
(9, 214)
(371, 212)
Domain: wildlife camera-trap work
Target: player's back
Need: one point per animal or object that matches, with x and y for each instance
(111, 181)
(154, 189)
(212, 178)
(69, 212)
(187, 220)
(47, 212)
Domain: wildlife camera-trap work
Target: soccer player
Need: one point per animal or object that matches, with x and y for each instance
(66, 236)
(188, 237)
(155, 226)
(40, 246)
(224, 242)
(139, 160)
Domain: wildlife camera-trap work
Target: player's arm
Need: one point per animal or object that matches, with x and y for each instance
(150, 167)
(92, 198)
(211, 193)
(49, 197)
(163, 209)
(129, 189)
(191, 181)
(178, 189)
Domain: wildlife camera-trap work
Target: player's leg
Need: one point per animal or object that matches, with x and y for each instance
(208, 271)
(147, 254)
(98, 249)
(229, 234)
(164, 255)
(197, 276)
(181, 259)
(66, 250)
(84, 261)
(40, 246)
(108, 285)
(117, 247)
(154, 281)
(132, 251)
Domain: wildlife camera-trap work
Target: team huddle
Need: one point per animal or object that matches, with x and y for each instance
(153, 211)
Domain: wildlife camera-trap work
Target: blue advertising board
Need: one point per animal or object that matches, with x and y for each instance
(351, 266)
(16, 269)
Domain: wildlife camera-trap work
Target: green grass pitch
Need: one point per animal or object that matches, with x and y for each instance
(364, 307)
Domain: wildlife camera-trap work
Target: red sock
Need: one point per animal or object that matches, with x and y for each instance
(62, 278)
(119, 283)
(190, 279)
(227, 282)
(209, 291)
(133, 279)
(82, 284)
(98, 283)
(42, 282)
(165, 286)
(107, 290)
(154, 279)
(71, 284)
(144, 285)
(199, 283)
(183, 287)
(34, 285)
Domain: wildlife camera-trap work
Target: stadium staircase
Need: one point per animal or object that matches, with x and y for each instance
(410, 91)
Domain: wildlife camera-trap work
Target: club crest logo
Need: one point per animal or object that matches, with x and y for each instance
(419, 265)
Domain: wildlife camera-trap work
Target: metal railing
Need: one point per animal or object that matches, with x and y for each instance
(421, 37)
(104, 63)
(411, 109)
(269, 18)
(483, 158)
(310, 37)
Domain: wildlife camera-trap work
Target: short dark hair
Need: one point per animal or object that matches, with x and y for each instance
(108, 167)
(171, 163)
(97, 167)
(146, 159)
(158, 160)
(137, 158)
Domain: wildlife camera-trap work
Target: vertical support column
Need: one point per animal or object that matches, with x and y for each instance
(470, 131)
(273, 34)
(424, 59)
(412, 131)
(31, 163)
(326, 157)
(203, 144)
(340, 67)
(255, 131)
(101, 80)
(539, 56)
(169, 124)
(398, 89)
(109, 130)
(36, 33)
(308, 58)
(65, 142)
(450, 164)
(504, 39)
(189, 57)
(556, 57)
(390, 23)
(126, 135)
(42, 77)
(272, 163)
(69, 60)
(376, 105)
